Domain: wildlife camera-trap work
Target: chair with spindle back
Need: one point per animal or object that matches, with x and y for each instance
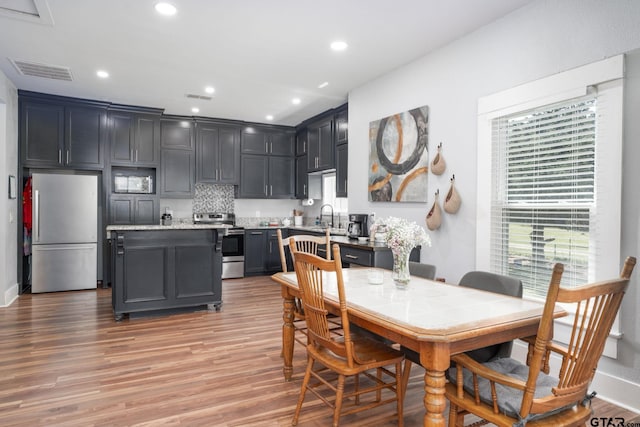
(348, 355)
(506, 392)
(316, 245)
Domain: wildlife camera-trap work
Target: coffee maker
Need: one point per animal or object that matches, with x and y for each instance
(358, 226)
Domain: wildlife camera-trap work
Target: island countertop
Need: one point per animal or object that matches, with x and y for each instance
(176, 226)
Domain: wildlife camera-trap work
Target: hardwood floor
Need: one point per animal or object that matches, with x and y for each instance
(66, 362)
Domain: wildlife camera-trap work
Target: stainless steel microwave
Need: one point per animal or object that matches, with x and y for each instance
(133, 184)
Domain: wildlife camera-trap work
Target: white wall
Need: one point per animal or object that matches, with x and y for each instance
(8, 207)
(541, 39)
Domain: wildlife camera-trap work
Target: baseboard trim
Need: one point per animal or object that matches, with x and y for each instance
(10, 295)
(618, 391)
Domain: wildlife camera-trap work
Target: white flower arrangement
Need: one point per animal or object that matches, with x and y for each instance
(401, 235)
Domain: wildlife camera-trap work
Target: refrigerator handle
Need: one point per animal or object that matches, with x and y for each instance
(36, 215)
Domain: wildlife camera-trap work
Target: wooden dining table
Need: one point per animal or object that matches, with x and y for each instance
(435, 319)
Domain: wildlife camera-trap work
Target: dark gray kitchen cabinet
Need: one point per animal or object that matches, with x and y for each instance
(217, 153)
(281, 177)
(280, 143)
(42, 133)
(255, 140)
(266, 177)
(342, 127)
(342, 169)
(254, 176)
(134, 139)
(272, 251)
(85, 135)
(60, 135)
(321, 145)
(134, 209)
(262, 253)
(163, 269)
(177, 158)
(254, 247)
(177, 133)
(301, 142)
(302, 179)
(177, 173)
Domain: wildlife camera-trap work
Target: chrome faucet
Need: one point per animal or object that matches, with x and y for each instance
(321, 214)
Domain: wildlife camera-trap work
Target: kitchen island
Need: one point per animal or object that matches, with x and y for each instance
(158, 267)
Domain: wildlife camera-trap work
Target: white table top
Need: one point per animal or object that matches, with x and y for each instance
(427, 306)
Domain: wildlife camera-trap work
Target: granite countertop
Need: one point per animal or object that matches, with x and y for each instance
(355, 243)
(176, 226)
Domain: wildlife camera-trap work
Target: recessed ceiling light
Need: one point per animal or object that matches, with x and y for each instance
(322, 85)
(195, 110)
(209, 89)
(295, 101)
(102, 74)
(269, 117)
(167, 9)
(339, 45)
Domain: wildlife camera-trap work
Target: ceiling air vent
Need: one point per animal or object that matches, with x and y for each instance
(202, 97)
(45, 71)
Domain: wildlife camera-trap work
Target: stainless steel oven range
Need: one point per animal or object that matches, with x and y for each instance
(232, 242)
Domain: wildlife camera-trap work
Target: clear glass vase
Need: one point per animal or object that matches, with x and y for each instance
(401, 276)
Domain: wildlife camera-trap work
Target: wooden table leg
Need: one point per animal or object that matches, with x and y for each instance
(287, 335)
(435, 358)
(434, 400)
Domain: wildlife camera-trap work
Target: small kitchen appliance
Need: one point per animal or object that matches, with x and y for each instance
(232, 242)
(358, 226)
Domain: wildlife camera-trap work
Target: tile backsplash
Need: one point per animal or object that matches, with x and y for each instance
(213, 198)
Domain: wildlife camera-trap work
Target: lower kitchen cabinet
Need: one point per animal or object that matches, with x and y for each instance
(162, 269)
(369, 254)
(262, 254)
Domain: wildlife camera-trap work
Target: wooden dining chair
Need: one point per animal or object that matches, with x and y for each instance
(316, 245)
(506, 392)
(348, 355)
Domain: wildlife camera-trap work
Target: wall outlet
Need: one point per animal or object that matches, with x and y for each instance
(257, 213)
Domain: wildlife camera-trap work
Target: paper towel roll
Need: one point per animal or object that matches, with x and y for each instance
(307, 202)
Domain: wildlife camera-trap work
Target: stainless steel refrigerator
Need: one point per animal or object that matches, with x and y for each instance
(65, 232)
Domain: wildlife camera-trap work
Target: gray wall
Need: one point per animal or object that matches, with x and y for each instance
(541, 39)
(8, 207)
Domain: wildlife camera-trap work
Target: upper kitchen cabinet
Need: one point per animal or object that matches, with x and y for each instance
(134, 138)
(217, 153)
(270, 141)
(177, 133)
(177, 158)
(342, 151)
(342, 156)
(301, 142)
(342, 127)
(321, 145)
(302, 178)
(56, 133)
(266, 177)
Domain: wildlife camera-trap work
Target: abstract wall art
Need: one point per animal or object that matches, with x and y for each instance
(398, 157)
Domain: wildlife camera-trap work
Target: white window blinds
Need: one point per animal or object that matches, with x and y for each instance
(543, 200)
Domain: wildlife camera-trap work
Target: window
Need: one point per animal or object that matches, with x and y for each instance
(543, 198)
(339, 204)
(549, 181)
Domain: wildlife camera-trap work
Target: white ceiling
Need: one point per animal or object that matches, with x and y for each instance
(258, 54)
